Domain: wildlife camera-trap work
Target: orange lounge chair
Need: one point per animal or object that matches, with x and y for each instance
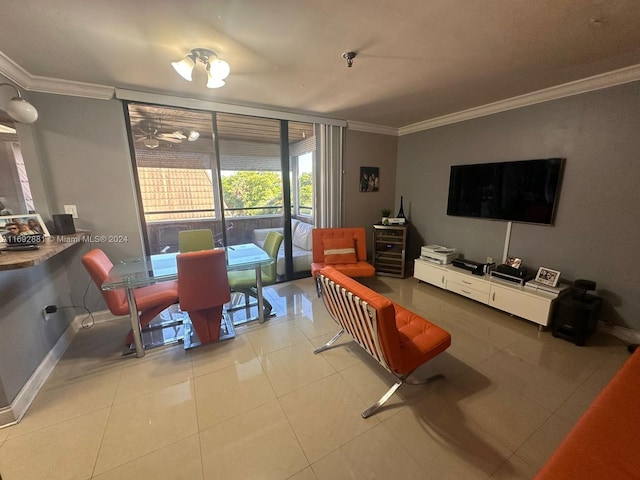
(397, 338)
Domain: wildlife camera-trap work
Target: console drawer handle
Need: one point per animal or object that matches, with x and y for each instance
(468, 283)
(464, 291)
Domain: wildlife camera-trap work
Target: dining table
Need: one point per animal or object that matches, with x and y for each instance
(132, 273)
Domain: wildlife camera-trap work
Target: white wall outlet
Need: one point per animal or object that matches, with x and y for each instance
(45, 314)
(489, 259)
(71, 209)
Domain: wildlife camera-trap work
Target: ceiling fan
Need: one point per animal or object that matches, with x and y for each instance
(151, 134)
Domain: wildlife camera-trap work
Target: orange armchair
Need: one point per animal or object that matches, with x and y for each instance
(150, 300)
(345, 249)
(203, 289)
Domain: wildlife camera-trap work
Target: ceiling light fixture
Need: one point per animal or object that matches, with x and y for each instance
(217, 70)
(19, 109)
(193, 135)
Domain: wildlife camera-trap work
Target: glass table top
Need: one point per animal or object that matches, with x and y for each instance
(141, 271)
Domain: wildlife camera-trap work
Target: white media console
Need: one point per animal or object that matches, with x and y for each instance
(500, 294)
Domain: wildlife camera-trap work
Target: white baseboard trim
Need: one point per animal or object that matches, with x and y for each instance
(625, 334)
(13, 414)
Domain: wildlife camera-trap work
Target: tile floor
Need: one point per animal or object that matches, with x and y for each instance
(262, 406)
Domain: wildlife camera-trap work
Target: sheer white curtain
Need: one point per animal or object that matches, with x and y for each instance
(328, 178)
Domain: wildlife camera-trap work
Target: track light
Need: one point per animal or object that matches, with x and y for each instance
(193, 135)
(217, 70)
(19, 109)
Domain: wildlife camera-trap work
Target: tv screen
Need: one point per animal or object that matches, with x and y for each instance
(521, 191)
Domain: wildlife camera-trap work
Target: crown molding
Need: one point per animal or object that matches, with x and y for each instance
(14, 72)
(32, 83)
(597, 82)
(371, 128)
(70, 88)
(23, 79)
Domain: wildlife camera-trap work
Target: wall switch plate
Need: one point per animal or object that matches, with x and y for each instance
(72, 210)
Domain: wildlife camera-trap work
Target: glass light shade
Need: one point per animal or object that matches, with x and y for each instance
(219, 69)
(215, 82)
(21, 110)
(185, 67)
(193, 136)
(151, 143)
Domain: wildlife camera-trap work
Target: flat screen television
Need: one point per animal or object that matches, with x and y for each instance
(520, 191)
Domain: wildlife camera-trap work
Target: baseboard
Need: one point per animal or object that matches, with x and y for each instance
(12, 414)
(102, 316)
(625, 334)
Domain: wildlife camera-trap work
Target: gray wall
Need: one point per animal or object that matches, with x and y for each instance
(362, 149)
(84, 155)
(76, 153)
(25, 338)
(597, 223)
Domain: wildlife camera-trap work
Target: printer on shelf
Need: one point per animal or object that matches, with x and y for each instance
(438, 254)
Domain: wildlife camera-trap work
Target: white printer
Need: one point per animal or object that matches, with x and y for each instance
(438, 254)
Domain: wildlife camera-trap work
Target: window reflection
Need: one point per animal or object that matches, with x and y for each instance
(15, 193)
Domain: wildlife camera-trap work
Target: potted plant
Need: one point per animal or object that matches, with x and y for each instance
(385, 215)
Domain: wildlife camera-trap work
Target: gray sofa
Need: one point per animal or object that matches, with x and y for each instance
(301, 243)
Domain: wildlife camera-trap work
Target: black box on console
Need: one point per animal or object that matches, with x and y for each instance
(474, 267)
(63, 224)
(512, 271)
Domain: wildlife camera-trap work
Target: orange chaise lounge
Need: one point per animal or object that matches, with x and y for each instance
(345, 249)
(398, 339)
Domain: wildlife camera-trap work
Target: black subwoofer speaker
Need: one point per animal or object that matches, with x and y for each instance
(576, 315)
(63, 224)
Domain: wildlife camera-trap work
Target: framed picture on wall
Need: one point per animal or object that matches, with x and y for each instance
(369, 179)
(22, 224)
(547, 276)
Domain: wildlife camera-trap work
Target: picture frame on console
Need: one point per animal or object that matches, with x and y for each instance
(514, 262)
(547, 276)
(29, 224)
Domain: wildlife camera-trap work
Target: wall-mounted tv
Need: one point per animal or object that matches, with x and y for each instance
(521, 191)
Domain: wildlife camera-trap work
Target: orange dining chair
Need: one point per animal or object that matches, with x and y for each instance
(203, 289)
(150, 300)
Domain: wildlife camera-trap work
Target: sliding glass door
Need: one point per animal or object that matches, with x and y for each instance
(197, 169)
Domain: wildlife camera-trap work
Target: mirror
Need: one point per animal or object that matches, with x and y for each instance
(15, 193)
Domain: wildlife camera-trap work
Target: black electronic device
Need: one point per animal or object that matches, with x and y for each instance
(474, 267)
(520, 191)
(576, 316)
(63, 224)
(512, 271)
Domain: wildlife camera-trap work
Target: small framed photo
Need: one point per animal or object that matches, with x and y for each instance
(514, 262)
(547, 276)
(22, 224)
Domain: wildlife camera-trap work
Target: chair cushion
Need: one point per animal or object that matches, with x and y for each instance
(302, 236)
(339, 250)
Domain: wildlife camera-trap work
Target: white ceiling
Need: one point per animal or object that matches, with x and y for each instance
(416, 59)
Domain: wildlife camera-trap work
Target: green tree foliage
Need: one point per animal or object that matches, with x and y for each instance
(244, 190)
(305, 185)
